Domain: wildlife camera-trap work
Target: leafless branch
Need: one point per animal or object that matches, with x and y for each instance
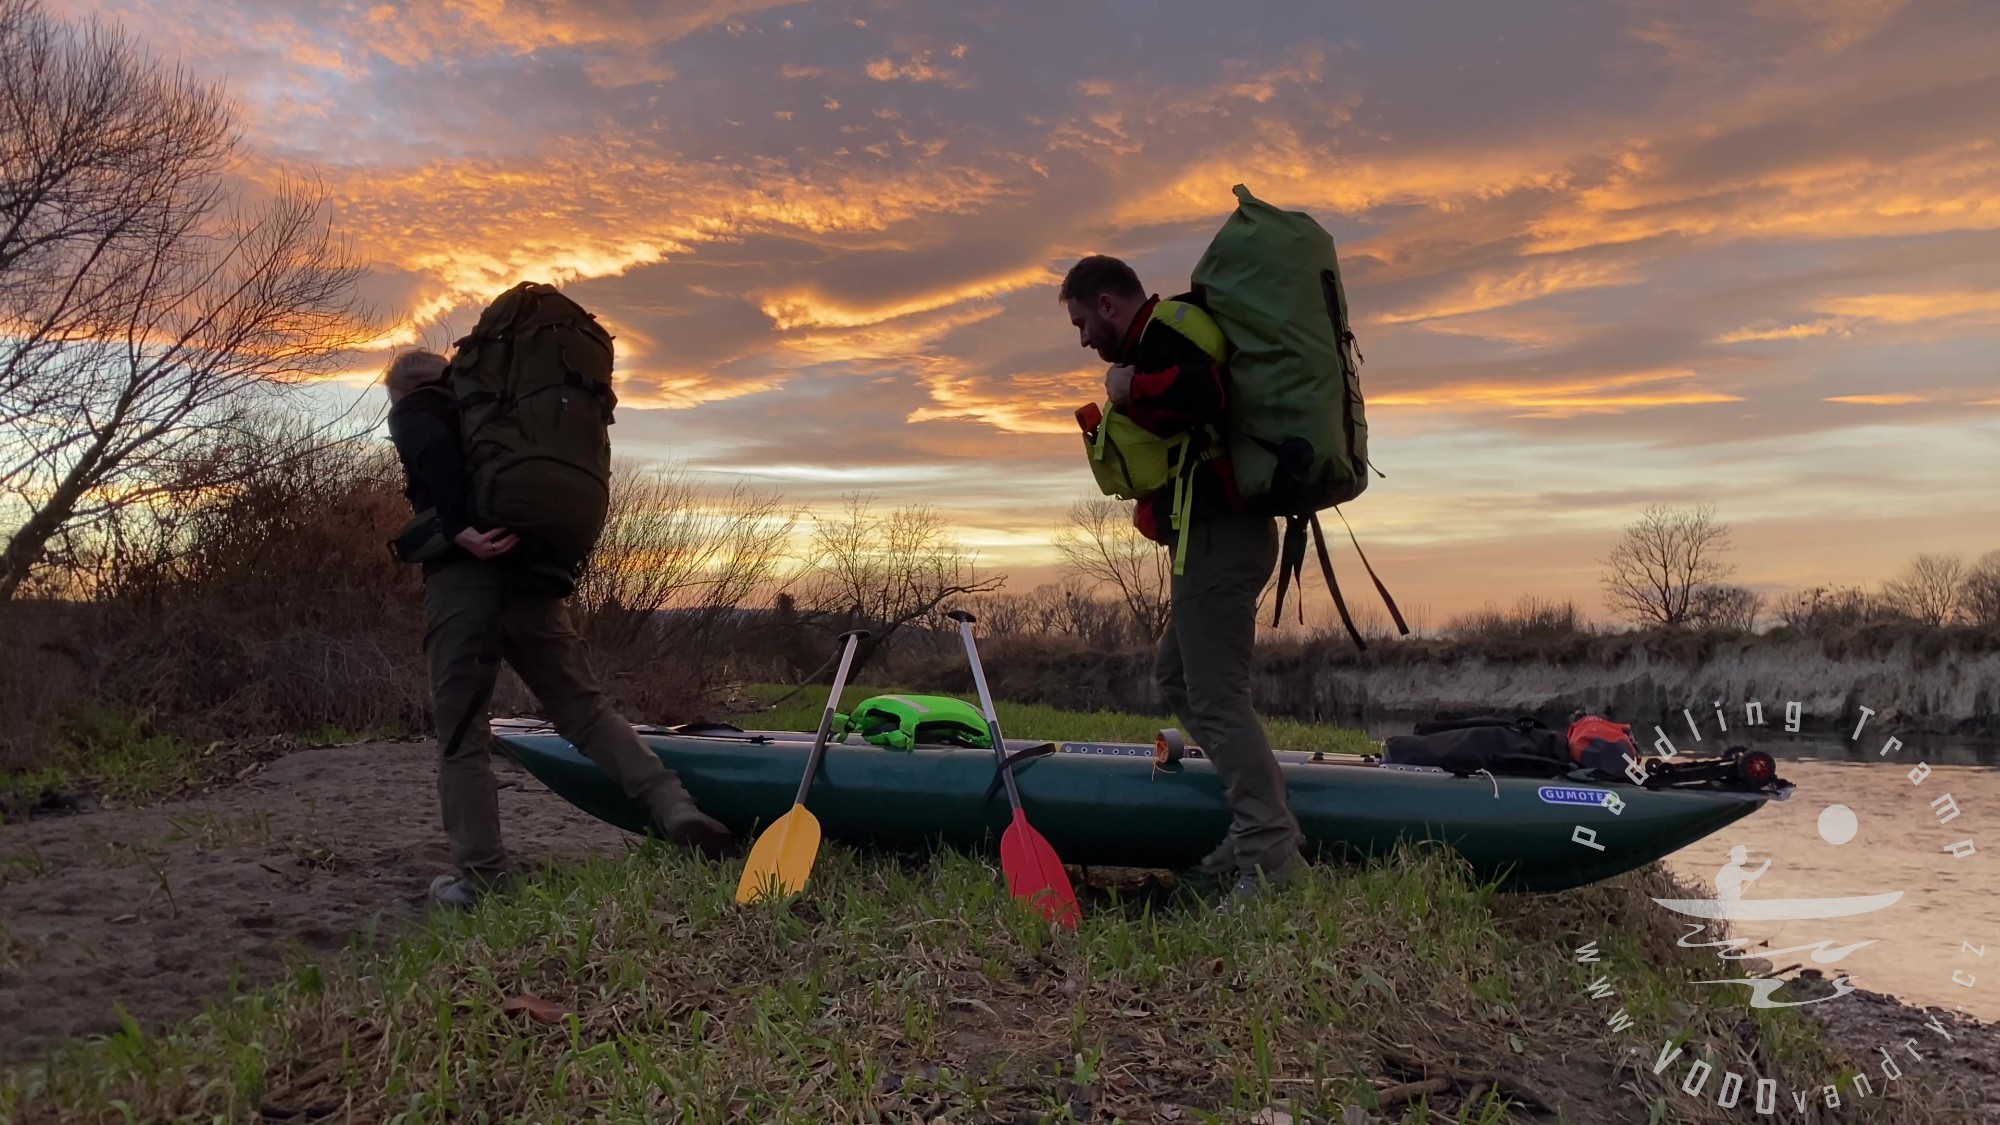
(149, 314)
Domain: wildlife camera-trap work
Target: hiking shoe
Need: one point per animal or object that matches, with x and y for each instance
(1259, 880)
(1221, 861)
(461, 892)
(679, 819)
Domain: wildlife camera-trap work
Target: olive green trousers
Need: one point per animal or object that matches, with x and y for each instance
(1203, 667)
(472, 619)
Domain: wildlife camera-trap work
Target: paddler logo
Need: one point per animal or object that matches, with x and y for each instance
(1730, 905)
(1779, 905)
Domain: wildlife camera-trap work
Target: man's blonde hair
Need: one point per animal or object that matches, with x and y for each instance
(415, 368)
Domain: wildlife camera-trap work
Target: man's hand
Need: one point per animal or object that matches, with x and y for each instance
(1118, 384)
(487, 544)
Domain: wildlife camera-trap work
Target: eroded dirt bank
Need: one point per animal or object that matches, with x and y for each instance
(1914, 683)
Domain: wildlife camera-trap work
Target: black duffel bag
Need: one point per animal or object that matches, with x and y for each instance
(1520, 747)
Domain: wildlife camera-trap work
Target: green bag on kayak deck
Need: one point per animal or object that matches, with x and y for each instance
(1297, 434)
(901, 722)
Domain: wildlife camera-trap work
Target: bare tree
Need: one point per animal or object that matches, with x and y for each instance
(884, 572)
(1000, 615)
(1826, 607)
(1097, 622)
(1657, 567)
(146, 313)
(675, 562)
(1727, 607)
(1930, 590)
(1098, 542)
(1982, 590)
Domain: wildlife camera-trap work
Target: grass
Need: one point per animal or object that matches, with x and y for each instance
(634, 988)
(1023, 720)
(105, 756)
(105, 753)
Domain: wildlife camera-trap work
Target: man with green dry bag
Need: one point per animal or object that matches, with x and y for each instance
(1226, 407)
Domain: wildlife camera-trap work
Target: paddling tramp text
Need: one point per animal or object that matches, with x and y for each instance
(1945, 807)
(1764, 1096)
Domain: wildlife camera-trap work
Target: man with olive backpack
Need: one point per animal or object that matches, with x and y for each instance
(507, 460)
(1227, 407)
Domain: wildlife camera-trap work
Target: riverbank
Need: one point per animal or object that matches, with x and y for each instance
(1918, 681)
(628, 983)
(260, 951)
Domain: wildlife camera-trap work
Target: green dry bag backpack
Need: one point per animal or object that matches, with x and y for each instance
(533, 381)
(901, 722)
(1295, 427)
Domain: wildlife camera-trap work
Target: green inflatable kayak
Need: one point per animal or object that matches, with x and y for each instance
(1114, 804)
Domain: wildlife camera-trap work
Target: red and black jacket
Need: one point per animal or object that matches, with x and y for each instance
(1176, 387)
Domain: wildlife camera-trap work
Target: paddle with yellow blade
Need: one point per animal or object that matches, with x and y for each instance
(782, 857)
(1034, 872)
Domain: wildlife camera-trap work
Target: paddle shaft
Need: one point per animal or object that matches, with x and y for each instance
(992, 716)
(826, 720)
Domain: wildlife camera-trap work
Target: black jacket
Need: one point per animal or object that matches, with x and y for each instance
(424, 428)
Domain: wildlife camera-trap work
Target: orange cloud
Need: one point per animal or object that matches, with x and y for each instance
(1844, 196)
(1785, 332)
(1913, 308)
(916, 68)
(649, 388)
(418, 32)
(1496, 289)
(897, 339)
(1560, 398)
(597, 208)
(806, 309)
(1281, 166)
(1035, 403)
(1879, 400)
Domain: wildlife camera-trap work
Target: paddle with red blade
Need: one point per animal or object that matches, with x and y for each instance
(1034, 872)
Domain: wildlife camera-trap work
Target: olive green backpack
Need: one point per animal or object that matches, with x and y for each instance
(1295, 426)
(533, 382)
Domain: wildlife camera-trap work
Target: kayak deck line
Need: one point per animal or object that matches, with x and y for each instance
(1098, 806)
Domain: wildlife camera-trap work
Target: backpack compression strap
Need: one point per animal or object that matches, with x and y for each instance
(1292, 564)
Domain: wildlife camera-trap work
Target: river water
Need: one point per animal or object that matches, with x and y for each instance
(1923, 948)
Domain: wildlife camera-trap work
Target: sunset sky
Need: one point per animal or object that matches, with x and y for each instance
(1600, 254)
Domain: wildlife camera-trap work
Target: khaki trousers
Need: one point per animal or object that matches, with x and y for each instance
(472, 620)
(1202, 666)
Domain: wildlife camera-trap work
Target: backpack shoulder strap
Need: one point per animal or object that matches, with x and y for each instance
(1191, 321)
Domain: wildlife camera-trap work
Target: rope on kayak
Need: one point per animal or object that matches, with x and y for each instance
(1495, 781)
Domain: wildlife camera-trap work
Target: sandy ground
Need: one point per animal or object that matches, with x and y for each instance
(155, 908)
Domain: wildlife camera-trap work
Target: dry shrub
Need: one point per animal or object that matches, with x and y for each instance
(269, 606)
(1531, 619)
(274, 606)
(662, 599)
